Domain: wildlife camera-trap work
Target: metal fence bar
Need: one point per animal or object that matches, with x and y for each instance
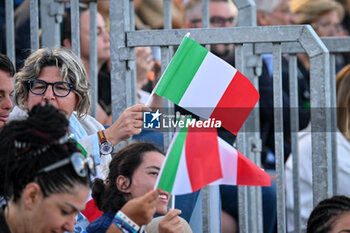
(234, 35)
(334, 126)
(333, 44)
(34, 25)
(279, 150)
(93, 58)
(247, 12)
(10, 31)
(205, 14)
(74, 15)
(294, 128)
(118, 55)
(241, 142)
(51, 13)
(320, 116)
(130, 72)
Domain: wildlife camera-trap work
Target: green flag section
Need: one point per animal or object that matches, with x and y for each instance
(207, 86)
(198, 157)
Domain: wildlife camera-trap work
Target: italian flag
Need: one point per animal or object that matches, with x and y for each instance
(198, 157)
(207, 86)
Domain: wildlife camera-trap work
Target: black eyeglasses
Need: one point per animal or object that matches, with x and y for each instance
(219, 21)
(39, 87)
(216, 21)
(81, 164)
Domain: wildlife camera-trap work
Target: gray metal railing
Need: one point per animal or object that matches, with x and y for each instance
(276, 40)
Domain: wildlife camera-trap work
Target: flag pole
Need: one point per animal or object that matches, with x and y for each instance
(173, 202)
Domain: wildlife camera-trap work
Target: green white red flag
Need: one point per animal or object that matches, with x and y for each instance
(207, 86)
(198, 157)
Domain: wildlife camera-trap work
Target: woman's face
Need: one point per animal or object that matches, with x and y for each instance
(57, 212)
(341, 224)
(327, 24)
(51, 74)
(144, 179)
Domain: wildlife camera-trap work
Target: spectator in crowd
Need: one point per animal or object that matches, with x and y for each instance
(325, 16)
(148, 14)
(103, 52)
(6, 88)
(224, 14)
(42, 174)
(330, 215)
(58, 76)
(305, 164)
(133, 172)
(269, 13)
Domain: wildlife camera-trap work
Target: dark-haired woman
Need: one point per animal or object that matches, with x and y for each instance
(44, 177)
(331, 215)
(132, 173)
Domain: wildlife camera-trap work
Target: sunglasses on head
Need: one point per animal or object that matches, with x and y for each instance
(83, 165)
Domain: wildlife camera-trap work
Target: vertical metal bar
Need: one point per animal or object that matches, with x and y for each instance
(320, 128)
(34, 25)
(167, 14)
(333, 110)
(51, 15)
(166, 54)
(205, 13)
(247, 12)
(130, 70)
(118, 67)
(130, 25)
(279, 150)
(168, 106)
(241, 142)
(211, 209)
(93, 58)
(74, 14)
(294, 128)
(10, 31)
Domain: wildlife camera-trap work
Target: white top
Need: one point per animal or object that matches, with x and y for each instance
(305, 173)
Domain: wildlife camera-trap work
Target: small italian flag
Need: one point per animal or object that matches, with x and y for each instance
(207, 86)
(198, 157)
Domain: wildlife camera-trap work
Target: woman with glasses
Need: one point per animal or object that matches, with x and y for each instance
(58, 76)
(45, 178)
(331, 215)
(132, 173)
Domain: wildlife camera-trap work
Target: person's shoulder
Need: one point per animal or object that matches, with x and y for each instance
(101, 224)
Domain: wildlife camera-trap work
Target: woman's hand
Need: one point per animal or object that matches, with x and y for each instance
(129, 123)
(171, 222)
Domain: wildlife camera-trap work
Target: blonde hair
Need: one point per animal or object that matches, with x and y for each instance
(71, 69)
(307, 11)
(343, 101)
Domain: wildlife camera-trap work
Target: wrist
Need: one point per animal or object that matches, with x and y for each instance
(125, 222)
(109, 135)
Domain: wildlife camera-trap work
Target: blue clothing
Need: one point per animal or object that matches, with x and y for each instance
(101, 224)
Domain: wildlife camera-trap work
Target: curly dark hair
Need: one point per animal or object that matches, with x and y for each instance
(26, 146)
(324, 215)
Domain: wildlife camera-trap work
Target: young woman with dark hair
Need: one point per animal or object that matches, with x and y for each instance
(132, 173)
(43, 175)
